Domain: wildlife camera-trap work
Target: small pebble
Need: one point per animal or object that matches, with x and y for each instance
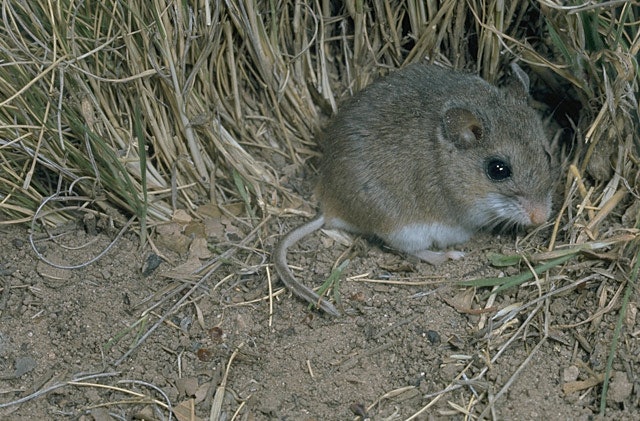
(620, 387)
(433, 337)
(570, 374)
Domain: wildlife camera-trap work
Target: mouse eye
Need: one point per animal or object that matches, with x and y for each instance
(497, 169)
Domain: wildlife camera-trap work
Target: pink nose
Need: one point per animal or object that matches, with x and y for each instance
(538, 214)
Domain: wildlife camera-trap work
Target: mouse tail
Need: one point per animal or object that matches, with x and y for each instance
(287, 277)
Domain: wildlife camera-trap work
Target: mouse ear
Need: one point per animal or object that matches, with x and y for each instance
(519, 83)
(462, 127)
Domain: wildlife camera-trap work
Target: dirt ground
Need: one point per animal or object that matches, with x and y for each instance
(413, 344)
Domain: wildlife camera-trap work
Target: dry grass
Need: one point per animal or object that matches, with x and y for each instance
(143, 108)
(114, 100)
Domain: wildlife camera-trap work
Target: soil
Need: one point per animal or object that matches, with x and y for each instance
(413, 342)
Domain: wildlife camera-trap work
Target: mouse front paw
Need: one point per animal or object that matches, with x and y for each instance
(438, 257)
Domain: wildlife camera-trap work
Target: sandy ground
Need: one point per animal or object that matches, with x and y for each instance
(414, 343)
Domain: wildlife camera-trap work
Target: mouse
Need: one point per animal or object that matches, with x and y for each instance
(423, 159)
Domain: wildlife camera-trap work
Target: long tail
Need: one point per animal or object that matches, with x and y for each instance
(282, 267)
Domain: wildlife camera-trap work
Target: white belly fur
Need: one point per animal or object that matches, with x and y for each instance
(416, 237)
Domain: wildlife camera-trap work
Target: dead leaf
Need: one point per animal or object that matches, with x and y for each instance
(181, 217)
(186, 411)
(199, 249)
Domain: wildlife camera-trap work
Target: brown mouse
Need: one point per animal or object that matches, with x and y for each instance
(423, 159)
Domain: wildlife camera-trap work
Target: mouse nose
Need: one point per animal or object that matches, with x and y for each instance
(538, 213)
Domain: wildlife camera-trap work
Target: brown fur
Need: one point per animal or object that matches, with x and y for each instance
(412, 149)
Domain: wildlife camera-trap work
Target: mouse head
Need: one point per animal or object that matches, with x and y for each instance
(504, 166)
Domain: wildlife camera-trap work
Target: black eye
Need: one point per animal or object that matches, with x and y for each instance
(497, 169)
